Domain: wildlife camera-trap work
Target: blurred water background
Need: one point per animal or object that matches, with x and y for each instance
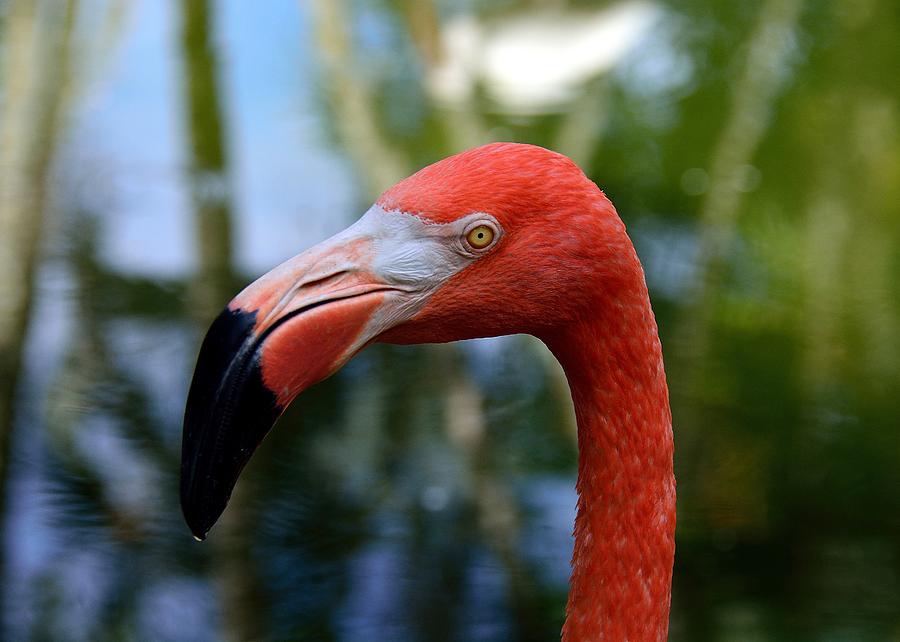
(156, 155)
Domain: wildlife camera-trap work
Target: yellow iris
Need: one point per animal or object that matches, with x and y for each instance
(480, 237)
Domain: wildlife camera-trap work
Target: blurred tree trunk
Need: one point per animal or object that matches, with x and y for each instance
(496, 511)
(755, 90)
(695, 367)
(463, 122)
(36, 72)
(242, 605)
(209, 179)
(354, 114)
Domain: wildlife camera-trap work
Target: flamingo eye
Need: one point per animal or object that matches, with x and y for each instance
(480, 236)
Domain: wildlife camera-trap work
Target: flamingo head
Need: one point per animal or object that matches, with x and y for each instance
(502, 239)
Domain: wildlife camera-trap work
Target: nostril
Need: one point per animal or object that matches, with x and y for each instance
(334, 276)
(289, 296)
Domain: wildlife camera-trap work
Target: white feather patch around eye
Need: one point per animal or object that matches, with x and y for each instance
(410, 251)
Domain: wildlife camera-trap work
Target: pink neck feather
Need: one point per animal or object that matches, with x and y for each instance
(624, 531)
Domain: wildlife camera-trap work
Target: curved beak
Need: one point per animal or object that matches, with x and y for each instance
(293, 327)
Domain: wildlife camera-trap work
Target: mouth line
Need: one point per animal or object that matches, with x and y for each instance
(343, 294)
(240, 368)
(340, 294)
(291, 293)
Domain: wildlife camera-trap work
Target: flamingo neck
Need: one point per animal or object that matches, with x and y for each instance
(625, 526)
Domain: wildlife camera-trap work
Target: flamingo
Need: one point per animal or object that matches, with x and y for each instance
(501, 239)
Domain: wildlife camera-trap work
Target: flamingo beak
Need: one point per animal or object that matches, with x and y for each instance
(293, 327)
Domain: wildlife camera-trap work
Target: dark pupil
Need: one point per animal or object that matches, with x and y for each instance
(480, 235)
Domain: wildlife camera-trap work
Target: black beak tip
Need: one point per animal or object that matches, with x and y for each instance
(199, 529)
(202, 503)
(198, 523)
(229, 411)
(199, 534)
